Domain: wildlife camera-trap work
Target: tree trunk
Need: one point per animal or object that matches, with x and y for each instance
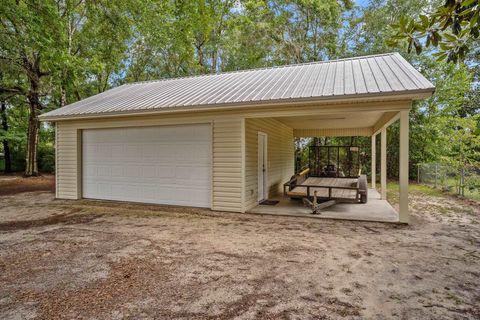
(63, 95)
(200, 56)
(31, 168)
(6, 146)
(214, 61)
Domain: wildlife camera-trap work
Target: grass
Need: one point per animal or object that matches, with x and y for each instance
(451, 184)
(393, 189)
(472, 195)
(418, 188)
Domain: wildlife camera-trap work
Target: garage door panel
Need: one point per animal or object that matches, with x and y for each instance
(182, 153)
(165, 194)
(104, 171)
(149, 172)
(149, 193)
(117, 151)
(118, 171)
(90, 188)
(164, 157)
(101, 136)
(203, 152)
(167, 165)
(150, 154)
(165, 172)
(89, 149)
(190, 195)
(132, 171)
(132, 152)
(192, 173)
(104, 189)
(89, 171)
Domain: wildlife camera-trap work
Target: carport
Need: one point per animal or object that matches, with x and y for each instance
(367, 122)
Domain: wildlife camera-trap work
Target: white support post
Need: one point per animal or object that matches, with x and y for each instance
(383, 163)
(403, 174)
(374, 162)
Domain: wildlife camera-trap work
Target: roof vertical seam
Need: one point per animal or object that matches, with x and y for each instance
(411, 72)
(319, 73)
(391, 70)
(404, 72)
(292, 83)
(325, 78)
(363, 77)
(384, 76)
(246, 84)
(353, 76)
(373, 75)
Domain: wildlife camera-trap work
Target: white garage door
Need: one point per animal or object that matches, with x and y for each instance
(166, 165)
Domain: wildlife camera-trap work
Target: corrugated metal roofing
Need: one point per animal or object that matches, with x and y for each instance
(384, 74)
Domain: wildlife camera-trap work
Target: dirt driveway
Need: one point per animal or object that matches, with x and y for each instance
(99, 260)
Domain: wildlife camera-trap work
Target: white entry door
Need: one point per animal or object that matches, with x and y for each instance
(262, 167)
(163, 164)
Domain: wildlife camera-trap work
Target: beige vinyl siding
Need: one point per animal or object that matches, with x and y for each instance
(228, 158)
(227, 171)
(67, 167)
(280, 154)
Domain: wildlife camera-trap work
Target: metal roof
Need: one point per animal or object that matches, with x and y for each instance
(384, 74)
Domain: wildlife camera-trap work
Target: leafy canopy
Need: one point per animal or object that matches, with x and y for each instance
(450, 28)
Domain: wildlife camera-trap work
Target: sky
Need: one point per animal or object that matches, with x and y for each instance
(361, 3)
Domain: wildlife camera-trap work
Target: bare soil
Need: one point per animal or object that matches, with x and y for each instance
(104, 260)
(15, 183)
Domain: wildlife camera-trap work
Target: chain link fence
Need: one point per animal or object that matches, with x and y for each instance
(464, 181)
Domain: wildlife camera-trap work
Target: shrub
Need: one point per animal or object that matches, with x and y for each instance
(46, 158)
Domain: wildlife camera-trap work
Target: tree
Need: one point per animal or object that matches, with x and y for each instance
(449, 27)
(306, 30)
(55, 52)
(27, 36)
(88, 55)
(58, 51)
(247, 43)
(13, 113)
(368, 28)
(3, 138)
(162, 42)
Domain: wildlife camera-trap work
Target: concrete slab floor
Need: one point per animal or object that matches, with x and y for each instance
(375, 209)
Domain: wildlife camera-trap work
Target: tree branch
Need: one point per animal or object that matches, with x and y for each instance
(15, 90)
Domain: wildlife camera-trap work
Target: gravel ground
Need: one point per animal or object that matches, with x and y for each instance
(104, 260)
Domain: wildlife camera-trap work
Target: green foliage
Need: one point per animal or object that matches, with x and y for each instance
(15, 135)
(450, 28)
(46, 156)
(46, 149)
(450, 124)
(370, 27)
(85, 47)
(196, 37)
(302, 145)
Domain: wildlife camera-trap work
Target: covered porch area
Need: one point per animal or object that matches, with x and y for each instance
(270, 161)
(376, 209)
